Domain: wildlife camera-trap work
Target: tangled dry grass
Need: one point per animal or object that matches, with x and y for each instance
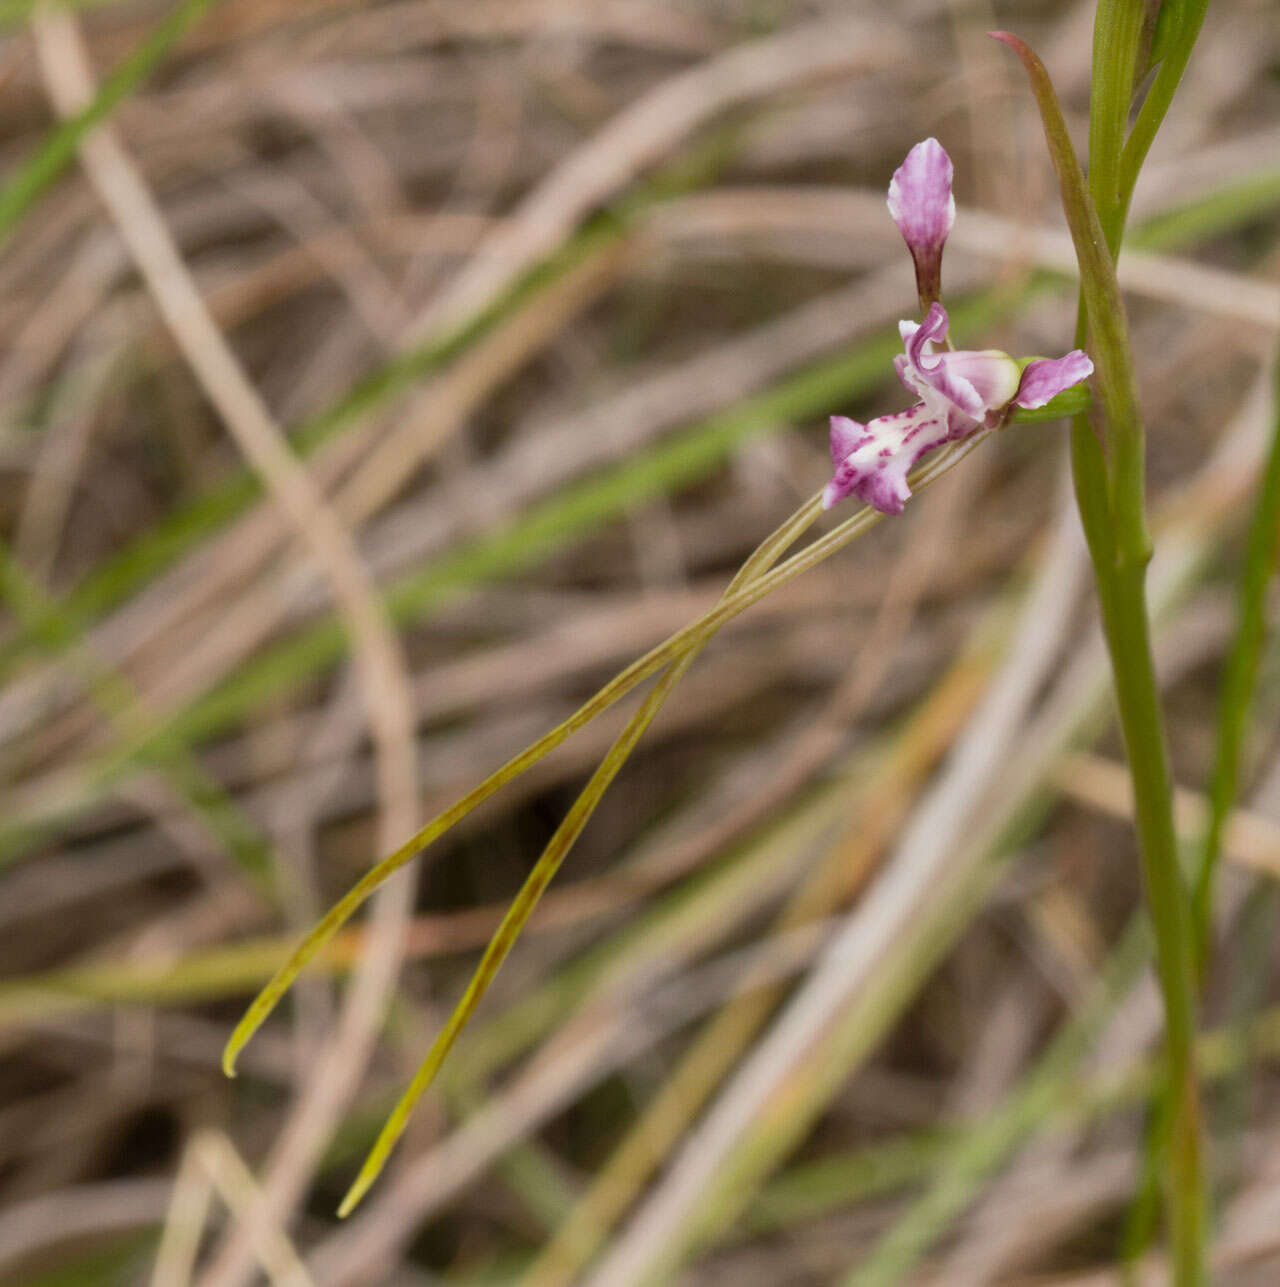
(551, 298)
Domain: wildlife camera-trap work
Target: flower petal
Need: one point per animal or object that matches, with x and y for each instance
(917, 335)
(846, 437)
(875, 469)
(1044, 378)
(920, 200)
(934, 376)
(991, 374)
(921, 204)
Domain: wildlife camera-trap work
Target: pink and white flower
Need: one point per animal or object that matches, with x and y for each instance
(959, 392)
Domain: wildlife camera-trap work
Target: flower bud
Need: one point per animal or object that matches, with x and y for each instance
(921, 204)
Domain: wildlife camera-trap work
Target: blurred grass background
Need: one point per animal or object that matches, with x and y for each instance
(552, 298)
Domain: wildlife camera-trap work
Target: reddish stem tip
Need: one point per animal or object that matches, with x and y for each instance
(1016, 43)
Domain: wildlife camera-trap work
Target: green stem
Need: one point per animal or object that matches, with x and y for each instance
(1121, 584)
(1117, 34)
(1125, 622)
(1114, 172)
(1110, 489)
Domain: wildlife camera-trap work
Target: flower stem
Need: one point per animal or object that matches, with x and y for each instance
(1120, 575)
(1110, 489)
(1122, 594)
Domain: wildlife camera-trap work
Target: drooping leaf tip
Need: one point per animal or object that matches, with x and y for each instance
(235, 1044)
(354, 1194)
(1028, 56)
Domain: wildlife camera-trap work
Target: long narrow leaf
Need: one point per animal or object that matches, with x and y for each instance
(549, 862)
(691, 636)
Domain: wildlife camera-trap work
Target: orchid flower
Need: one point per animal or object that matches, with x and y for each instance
(960, 391)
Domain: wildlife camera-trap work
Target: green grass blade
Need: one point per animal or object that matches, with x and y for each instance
(1239, 682)
(1181, 25)
(58, 149)
(37, 612)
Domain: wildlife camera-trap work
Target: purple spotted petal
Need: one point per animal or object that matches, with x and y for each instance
(881, 455)
(846, 437)
(921, 204)
(1045, 378)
